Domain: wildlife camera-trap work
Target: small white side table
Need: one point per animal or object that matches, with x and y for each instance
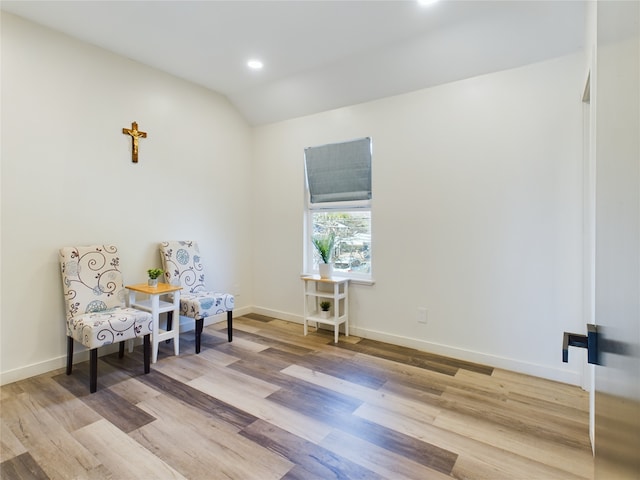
(336, 290)
(156, 306)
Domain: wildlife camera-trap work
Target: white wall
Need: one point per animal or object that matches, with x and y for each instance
(67, 178)
(477, 200)
(477, 216)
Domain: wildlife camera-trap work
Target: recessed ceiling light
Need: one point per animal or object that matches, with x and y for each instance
(255, 64)
(426, 3)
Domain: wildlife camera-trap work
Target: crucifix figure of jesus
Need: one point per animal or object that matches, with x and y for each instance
(135, 135)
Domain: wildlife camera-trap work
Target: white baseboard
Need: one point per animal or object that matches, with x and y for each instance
(81, 354)
(542, 371)
(289, 317)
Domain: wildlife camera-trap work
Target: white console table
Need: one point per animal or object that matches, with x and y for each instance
(335, 290)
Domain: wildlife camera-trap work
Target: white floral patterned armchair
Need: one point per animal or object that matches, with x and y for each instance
(182, 266)
(95, 305)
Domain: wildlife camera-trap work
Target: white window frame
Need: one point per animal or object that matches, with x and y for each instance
(364, 205)
(356, 206)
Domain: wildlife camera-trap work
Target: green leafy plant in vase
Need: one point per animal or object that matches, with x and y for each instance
(154, 273)
(325, 306)
(324, 245)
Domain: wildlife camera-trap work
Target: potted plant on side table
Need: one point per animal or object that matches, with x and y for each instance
(324, 246)
(325, 305)
(154, 273)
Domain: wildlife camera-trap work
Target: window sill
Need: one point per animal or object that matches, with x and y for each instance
(353, 281)
(363, 281)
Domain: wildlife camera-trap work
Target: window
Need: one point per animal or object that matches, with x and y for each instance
(352, 229)
(338, 201)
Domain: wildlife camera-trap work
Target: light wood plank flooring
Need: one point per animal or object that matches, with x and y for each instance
(274, 404)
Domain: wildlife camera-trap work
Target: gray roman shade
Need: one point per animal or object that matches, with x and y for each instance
(339, 172)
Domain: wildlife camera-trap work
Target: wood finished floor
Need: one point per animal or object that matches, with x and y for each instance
(274, 404)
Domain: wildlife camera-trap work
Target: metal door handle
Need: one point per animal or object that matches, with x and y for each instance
(588, 341)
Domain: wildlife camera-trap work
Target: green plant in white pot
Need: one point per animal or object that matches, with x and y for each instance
(325, 307)
(154, 273)
(324, 246)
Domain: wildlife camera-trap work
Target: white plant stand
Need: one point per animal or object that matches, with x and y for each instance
(336, 290)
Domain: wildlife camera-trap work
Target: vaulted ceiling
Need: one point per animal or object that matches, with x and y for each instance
(318, 55)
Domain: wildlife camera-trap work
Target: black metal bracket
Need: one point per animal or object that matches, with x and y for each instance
(588, 341)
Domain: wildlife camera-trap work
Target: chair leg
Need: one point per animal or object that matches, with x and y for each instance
(93, 370)
(69, 355)
(121, 349)
(147, 352)
(199, 327)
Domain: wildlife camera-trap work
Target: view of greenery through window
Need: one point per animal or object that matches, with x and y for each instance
(352, 252)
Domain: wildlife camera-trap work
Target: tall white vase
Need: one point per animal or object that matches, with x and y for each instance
(326, 270)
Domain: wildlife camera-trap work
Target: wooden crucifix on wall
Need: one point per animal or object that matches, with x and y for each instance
(135, 135)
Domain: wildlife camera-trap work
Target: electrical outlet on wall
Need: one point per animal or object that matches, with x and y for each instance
(422, 315)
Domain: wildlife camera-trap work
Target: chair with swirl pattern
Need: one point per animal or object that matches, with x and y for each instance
(96, 312)
(182, 266)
